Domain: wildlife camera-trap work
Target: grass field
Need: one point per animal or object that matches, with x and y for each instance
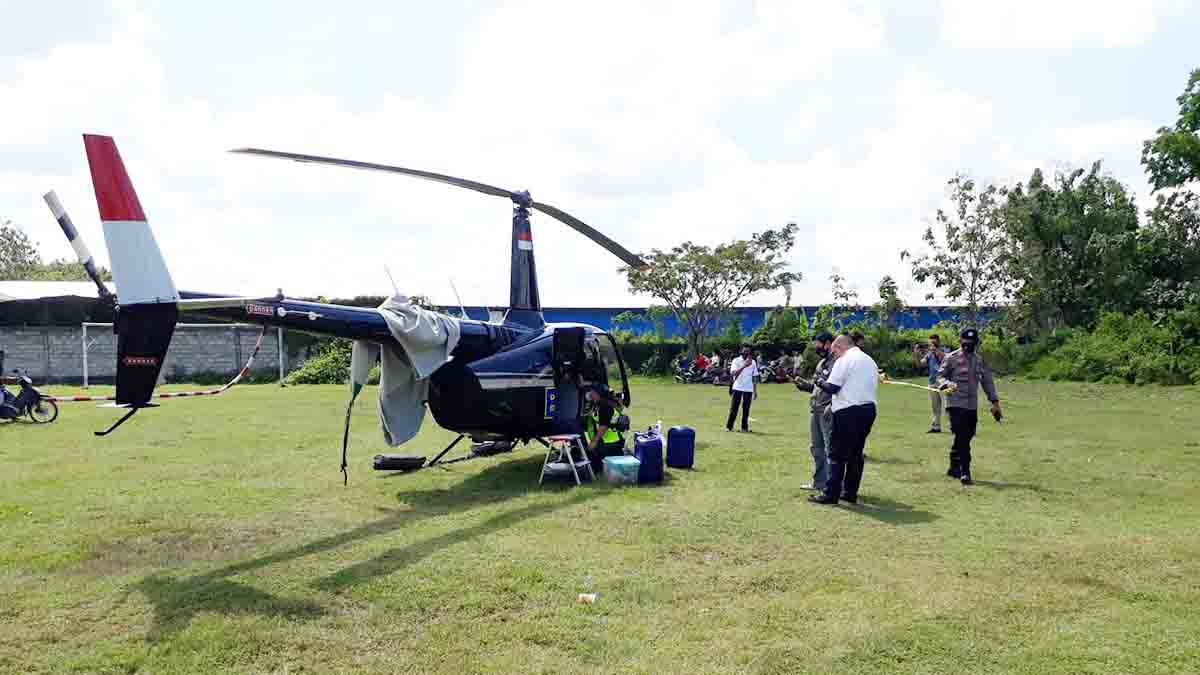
(214, 535)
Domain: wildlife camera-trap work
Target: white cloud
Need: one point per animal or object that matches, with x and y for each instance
(654, 122)
(1049, 24)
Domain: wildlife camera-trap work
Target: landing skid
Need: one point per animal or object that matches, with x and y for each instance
(408, 463)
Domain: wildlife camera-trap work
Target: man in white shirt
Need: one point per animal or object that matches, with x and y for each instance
(853, 384)
(744, 389)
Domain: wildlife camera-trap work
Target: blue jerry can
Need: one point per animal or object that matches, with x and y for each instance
(648, 448)
(681, 447)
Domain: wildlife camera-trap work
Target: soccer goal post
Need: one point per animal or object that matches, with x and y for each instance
(282, 355)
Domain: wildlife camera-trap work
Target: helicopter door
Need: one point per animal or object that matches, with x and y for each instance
(568, 355)
(614, 367)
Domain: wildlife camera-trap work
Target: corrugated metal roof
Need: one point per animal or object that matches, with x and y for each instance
(36, 290)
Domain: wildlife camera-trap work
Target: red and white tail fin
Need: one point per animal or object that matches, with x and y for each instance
(146, 295)
(138, 268)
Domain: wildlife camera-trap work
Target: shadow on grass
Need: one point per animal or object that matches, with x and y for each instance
(396, 559)
(176, 600)
(891, 512)
(999, 485)
(874, 459)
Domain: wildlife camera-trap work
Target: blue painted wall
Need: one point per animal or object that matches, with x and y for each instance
(751, 317)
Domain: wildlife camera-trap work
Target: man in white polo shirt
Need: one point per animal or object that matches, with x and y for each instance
(744, 389)
(853, 383)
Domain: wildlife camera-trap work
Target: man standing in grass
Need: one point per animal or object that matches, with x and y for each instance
(930, 359)
(852, 383)
(961, 375)
(744, 388)
(820, 426)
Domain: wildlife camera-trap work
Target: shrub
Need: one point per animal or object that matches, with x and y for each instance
(1131, 348)
(331, 365)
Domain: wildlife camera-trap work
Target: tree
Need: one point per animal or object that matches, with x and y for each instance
(1073, 248)
(654, 314)
(967, 262)
(782, 326)
(21, 261)
(64, 270)
(1169, 253)
(701, 284)
(890, 303)
(1172, 157)
(18, 255)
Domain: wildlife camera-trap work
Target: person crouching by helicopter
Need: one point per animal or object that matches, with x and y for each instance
(601, 427)
(961, 375)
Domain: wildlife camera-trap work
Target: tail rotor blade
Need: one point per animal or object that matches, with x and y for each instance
(77, 243)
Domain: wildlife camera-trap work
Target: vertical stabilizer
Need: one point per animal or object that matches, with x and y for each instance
(147, 310)
(138, 268)
(525, 307)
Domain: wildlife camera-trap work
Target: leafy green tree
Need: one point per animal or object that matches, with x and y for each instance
(20, 260)
(890, 303)
(967, 253)
(18, 255)
(64, 270)
(701, 284)
(655, 314)
(782, 326)
(1169, 253)
(1172, 157)
(1073, 248)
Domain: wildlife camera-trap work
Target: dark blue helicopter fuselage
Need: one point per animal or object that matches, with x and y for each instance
(499, 383)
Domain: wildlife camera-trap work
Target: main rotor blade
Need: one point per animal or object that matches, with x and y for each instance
(588, 231)
(371, 166)
(519, 198)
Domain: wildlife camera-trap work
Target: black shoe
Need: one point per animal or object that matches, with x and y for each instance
(823, 499)
(934, 431)
(966, 479)
(852, 499)
(954, 472)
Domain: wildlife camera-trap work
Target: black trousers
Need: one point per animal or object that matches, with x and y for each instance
(851, 426)
(742, 398)
(963, 422)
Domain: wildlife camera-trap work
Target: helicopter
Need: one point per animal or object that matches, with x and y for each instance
(517, 379)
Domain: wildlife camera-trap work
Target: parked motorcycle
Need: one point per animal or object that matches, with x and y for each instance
(29, 402)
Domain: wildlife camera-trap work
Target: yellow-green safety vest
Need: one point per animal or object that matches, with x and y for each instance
(593, 421)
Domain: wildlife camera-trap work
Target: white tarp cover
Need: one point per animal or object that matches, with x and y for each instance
(426, 340)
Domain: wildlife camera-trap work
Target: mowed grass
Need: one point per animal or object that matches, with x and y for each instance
(214, 535)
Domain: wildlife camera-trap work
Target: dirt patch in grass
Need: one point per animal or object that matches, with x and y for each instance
(172, 550)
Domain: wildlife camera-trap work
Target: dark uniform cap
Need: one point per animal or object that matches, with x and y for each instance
(969, 334)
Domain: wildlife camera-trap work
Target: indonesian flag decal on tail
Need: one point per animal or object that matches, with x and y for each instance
(525, 238)
(138, 268)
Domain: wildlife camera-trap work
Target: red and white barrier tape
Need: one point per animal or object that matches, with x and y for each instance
(178, 394)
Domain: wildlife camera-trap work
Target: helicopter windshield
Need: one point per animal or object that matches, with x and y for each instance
(614, 368)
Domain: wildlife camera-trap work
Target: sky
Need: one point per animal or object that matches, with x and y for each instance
(654, 122)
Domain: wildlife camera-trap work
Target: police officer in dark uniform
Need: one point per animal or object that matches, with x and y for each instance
(962, 373)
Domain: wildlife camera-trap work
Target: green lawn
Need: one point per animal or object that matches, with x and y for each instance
(214, 535)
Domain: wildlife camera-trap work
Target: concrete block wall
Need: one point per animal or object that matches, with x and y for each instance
(55, 353)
